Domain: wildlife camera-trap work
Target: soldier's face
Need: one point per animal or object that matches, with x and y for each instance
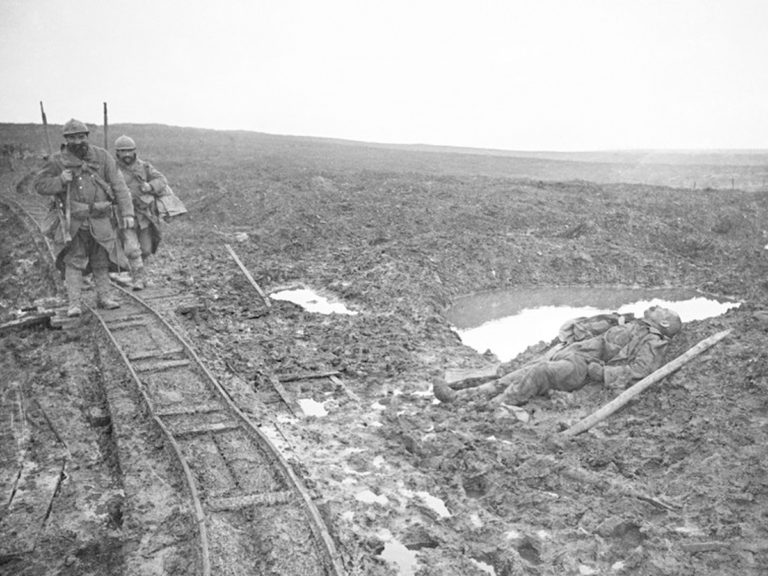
(77, 144)
(127, 156)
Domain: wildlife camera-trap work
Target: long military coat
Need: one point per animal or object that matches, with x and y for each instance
(136, 174)
(96, 187)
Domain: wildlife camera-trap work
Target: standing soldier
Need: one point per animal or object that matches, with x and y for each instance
(146, 183)
(88, 180)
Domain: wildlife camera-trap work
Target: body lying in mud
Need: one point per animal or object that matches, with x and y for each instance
(615, 349)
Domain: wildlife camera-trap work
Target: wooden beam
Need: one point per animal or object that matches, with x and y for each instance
(308, 376)
(264, 297)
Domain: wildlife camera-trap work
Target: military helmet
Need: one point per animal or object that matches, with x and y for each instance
(125, 143)
(74, 127)
(667, 321)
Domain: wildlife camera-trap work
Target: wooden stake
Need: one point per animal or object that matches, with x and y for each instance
(264, 297)
(643, 384)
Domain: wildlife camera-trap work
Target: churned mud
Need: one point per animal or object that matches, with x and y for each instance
(675, 483)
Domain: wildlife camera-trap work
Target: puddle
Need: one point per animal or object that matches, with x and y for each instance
(311, 301)
(433, 502)
(395, 553)
(312, 407)
(483, 566)
(370, 498)
(506, 323)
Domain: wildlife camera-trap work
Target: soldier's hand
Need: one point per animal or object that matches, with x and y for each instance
(128, 222)
(146, 187)
(66, 176)
(595, 372)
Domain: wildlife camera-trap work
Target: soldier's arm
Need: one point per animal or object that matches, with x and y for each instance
(48, 181)
(649, 357)
(156, 179)
(119, 187)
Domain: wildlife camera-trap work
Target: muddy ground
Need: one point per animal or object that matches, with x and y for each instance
(397, 245)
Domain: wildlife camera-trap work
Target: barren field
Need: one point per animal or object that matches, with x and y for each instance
(397, 234)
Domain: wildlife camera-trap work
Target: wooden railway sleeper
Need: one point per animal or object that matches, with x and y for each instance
(171, 410)
(258, 499)
(200, 429)
(162, 366)
(154, 354)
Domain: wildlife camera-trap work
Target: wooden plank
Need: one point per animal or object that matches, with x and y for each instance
(308, 376)
(161, 365)
(258, 289)
(288, 400)
(347, 391)
(195, 429)
(171, 410)
(27, 320)
(149, 354)
(458, 378)
(122, 325)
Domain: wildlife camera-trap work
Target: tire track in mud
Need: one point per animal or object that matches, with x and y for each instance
(252, 513)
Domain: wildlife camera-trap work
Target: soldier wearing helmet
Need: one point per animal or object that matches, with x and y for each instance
(614, 349)
(86, 179)
(146, 183)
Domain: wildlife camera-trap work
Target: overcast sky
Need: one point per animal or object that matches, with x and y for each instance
(510, 74)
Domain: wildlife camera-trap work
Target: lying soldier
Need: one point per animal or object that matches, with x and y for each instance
(615, 349)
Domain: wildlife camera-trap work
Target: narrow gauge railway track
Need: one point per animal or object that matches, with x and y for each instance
(253, 514)
(245, 494)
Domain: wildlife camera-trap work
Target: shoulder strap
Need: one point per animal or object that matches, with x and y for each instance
(99, 180)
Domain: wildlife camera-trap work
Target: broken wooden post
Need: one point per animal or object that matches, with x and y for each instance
(264, 297)
(646, 382)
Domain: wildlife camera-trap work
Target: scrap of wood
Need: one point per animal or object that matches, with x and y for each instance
(293, 406)
(643, 384)
(27, 320)
(605, 481)
(308, 376)
(461, 378)
(261, 293)
(340, 383)
(696, 547)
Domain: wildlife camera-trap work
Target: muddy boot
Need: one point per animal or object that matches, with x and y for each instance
(73, 279)
(443, 392)
(103, 298)
(139, 278)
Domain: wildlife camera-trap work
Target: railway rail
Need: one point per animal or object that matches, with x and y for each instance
(252, 512)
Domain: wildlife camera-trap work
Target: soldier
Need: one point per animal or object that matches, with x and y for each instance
(614, 349)
(146, 183)
(88, 180)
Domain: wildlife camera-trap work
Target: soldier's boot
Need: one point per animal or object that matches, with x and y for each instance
(73, 278)
(103, 297)
(139, 277)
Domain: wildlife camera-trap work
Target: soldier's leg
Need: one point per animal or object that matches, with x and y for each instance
(133, 251)
(73, 278)
(100, 266)
(567, 374)
(75, 261)
(145, 241)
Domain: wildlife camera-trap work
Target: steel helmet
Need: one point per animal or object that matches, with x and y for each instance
(74, 127)
(125, 143)
(667, 321)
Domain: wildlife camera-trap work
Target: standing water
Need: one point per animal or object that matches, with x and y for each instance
(506, 323)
